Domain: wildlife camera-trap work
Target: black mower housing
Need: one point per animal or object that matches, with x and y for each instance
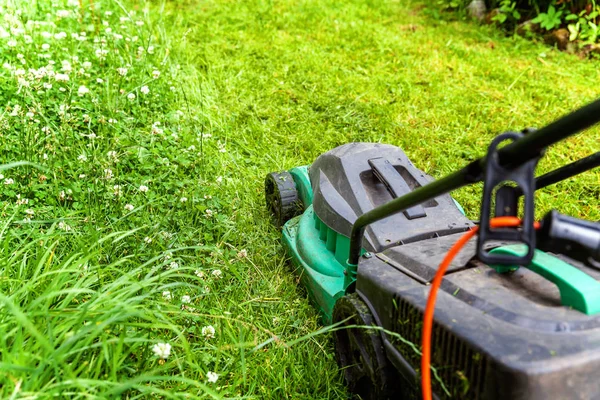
(495, 336)
(345, 186)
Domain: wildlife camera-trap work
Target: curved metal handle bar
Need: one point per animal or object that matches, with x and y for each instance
(517, 153)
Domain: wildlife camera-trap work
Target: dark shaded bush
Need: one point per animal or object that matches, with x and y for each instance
(569, 24)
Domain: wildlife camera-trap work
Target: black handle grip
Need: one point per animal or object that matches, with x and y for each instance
(506, 204)
(574, 237)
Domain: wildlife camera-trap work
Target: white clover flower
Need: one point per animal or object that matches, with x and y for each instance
(99, 80)
(122, 71)
(185, 299)
(144, 90)
(128, 207)
(167, 295)
(219, 179)
(12, 43)
(45, 156)
(139, 23)
(208, 332)
(21, 201)
(86, 65)
(117, 190)
(199, 273)
(62, 195)
(108, 174)
(9, 181)
(155, 129)
(212, 377)
(150, 50)
(60, 35)
(63, 13)
(61, 77)
(45, 46)
(147, 240)
(208, 212)
(207, 196)
(15, 111)
(173, 265)
(47, 86)
(183, 199)
(46, 35)
(123, 19)
(30, 115)
(155, 74)
(242, 253)
(101, 53)
(81, 176)
(66, 66)
(82, 158)
(131, 96)
(112, 155)
(20, 72)
(82, 91)
(143, 188)
(162, 350)
(29, 212)
(64, 227)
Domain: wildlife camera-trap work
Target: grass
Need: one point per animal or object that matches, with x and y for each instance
(96, 270)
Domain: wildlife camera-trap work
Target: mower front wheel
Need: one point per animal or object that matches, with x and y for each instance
(281, 196)
(360, 353)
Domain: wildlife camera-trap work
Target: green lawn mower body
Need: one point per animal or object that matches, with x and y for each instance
(500, 332)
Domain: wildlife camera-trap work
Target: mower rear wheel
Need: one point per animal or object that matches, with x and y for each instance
(360, 352)
(281, 196)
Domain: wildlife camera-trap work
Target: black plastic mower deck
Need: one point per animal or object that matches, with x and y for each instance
(496, 336)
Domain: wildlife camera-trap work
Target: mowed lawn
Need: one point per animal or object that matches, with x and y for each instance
(137, 259)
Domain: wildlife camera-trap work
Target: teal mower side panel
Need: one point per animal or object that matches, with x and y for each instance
(302, 181)
(317, 251)
(320, 272)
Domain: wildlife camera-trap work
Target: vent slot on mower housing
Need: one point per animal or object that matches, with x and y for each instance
(461, 368)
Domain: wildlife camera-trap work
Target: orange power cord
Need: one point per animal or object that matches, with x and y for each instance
(497, 222)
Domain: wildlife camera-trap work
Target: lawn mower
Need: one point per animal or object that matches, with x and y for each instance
(518, 310)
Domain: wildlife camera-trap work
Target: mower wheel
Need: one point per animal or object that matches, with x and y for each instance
(360, 353)
(281, 196)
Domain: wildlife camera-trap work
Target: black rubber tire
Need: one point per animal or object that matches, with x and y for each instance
(360, 353)
(281, 196)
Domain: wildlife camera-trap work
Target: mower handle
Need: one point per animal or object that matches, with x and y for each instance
(517, 153)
